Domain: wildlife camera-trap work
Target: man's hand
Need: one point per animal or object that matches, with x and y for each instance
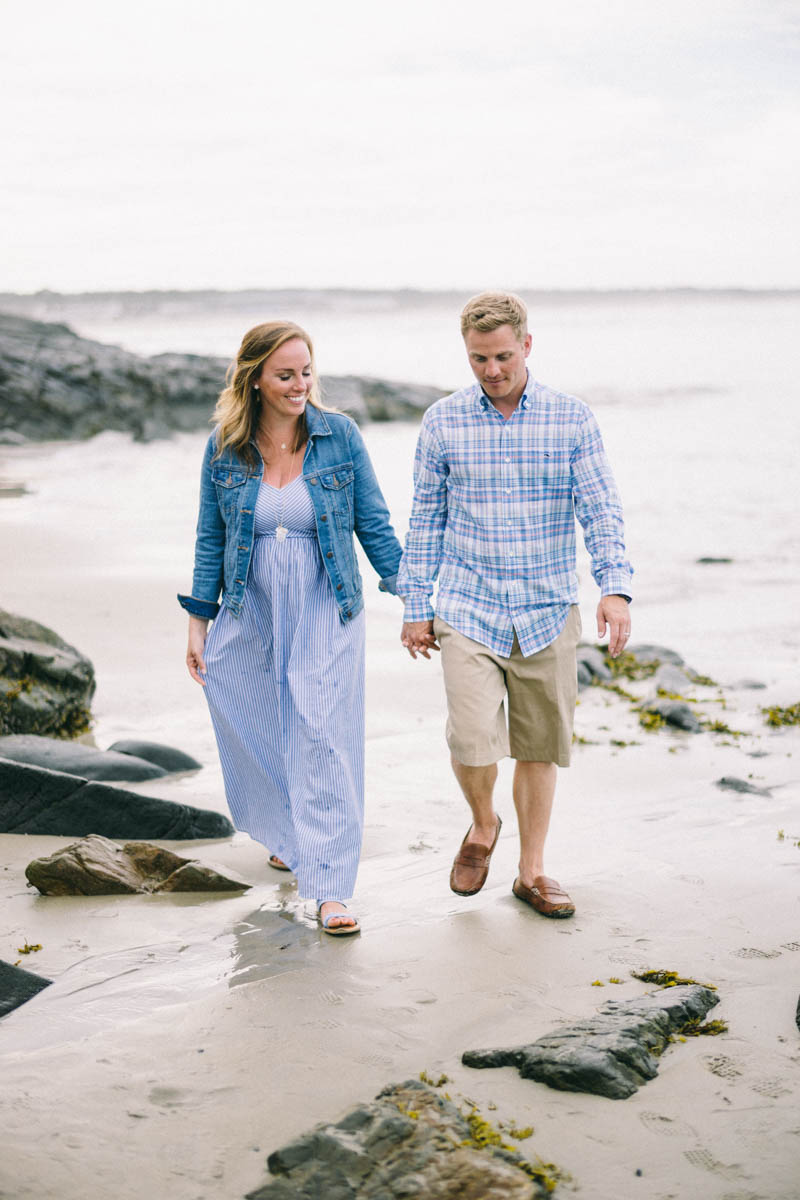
(614, 614)
(418, 638)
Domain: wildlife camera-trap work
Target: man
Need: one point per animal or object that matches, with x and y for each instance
(502, 469)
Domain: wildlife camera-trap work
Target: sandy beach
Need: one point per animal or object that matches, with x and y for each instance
(186, 1037)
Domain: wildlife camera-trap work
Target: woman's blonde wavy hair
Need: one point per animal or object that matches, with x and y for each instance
(237, 412)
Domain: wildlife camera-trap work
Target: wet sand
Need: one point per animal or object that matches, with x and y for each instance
(184, 1038)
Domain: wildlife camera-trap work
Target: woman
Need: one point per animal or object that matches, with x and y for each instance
(284, 485)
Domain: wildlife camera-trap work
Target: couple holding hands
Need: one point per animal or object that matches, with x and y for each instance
(502, 469)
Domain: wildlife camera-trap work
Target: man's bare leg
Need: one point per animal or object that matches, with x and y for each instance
(534, 789)
(477, 784)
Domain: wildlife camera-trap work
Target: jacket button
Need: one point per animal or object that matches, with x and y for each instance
(338, 587)
(323, 517)
(349, 614)
(329, 554)
(312, 481)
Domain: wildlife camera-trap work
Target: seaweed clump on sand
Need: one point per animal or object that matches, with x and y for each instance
(668, 979)
(776, 716)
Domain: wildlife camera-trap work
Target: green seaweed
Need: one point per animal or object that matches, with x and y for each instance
(619, 742)
(698, 1028)
(484, 1135)
(650, 720)
(722, 727)
(668, 978)
(776, 716)
(628, 666)
(424, 1077)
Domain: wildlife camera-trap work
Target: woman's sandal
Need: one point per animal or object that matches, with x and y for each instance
(337, 930)
(277, 863)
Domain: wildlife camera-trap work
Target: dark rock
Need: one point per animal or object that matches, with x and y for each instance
(709, 558)
(17, 986)
(55, 384)
(35, 800)
(585, 676)
(594, 661)
(365, 398)
(797, 1015)
(96, 866)
(409, 1142)
(611, 1054)
(46, 685)
(166, 757)
(671, 678)
(676, 713)
(751, 685)
(10, 437)
(649, 654)
(76, 759)
(731, 784)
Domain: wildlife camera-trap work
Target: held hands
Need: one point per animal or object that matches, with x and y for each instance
(194, 653)
(418, 638)
(614, 614)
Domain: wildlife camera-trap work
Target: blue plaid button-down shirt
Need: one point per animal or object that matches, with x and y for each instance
(494, 511)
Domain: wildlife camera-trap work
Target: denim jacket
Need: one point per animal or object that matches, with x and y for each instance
(346, 499)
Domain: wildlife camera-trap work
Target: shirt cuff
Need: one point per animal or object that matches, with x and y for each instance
(418, 608)
(616, 583)
(199, 608)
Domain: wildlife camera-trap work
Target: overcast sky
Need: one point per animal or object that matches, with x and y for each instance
(451, 144)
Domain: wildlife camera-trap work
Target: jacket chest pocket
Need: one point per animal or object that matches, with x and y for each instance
(228, 482)
(337, 488)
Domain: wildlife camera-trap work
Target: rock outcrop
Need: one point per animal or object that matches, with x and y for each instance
(35, 800)
(75, 758)
(96, 866)
(55, 384)
(612, 1053)
(46, 685)
(17, 986)
(166, 757)
(410, 1141)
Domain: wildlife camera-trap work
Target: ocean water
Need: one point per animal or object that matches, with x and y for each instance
(697, 394)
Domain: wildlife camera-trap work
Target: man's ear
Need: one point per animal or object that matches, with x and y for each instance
(526, 345)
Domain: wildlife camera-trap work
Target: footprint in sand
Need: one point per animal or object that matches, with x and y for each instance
(724, 1068)
(666, 1126)
(773, 1088)
(750, 952)
(705, 1161)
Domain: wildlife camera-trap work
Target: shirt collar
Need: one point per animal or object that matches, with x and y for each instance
(524, 401)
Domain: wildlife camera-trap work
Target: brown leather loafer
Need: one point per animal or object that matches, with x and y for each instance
(547, 896)
(471, 865)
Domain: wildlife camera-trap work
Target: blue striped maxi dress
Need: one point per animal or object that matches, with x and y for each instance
(285, 687)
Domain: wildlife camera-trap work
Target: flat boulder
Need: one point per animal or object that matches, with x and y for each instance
(17, 986)
(166, 757)
(76, 758)
(731, 783)
(37, 800)
(409, 1141)
(46, 685)
(593, 660)
(611, 1054)
(648, 653)
(96, 866)
(674, 712)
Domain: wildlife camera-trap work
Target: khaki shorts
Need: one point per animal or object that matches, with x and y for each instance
(540, 691)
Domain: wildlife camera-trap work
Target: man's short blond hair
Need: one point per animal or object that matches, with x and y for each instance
(489, 310)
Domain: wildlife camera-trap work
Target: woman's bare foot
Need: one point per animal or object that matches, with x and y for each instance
(335, 918)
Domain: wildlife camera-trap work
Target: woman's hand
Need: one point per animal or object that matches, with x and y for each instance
(198, 628)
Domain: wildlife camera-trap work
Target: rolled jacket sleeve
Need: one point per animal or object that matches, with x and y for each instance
(209, 550)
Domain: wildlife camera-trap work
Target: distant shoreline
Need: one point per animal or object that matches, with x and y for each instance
(245, 296)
